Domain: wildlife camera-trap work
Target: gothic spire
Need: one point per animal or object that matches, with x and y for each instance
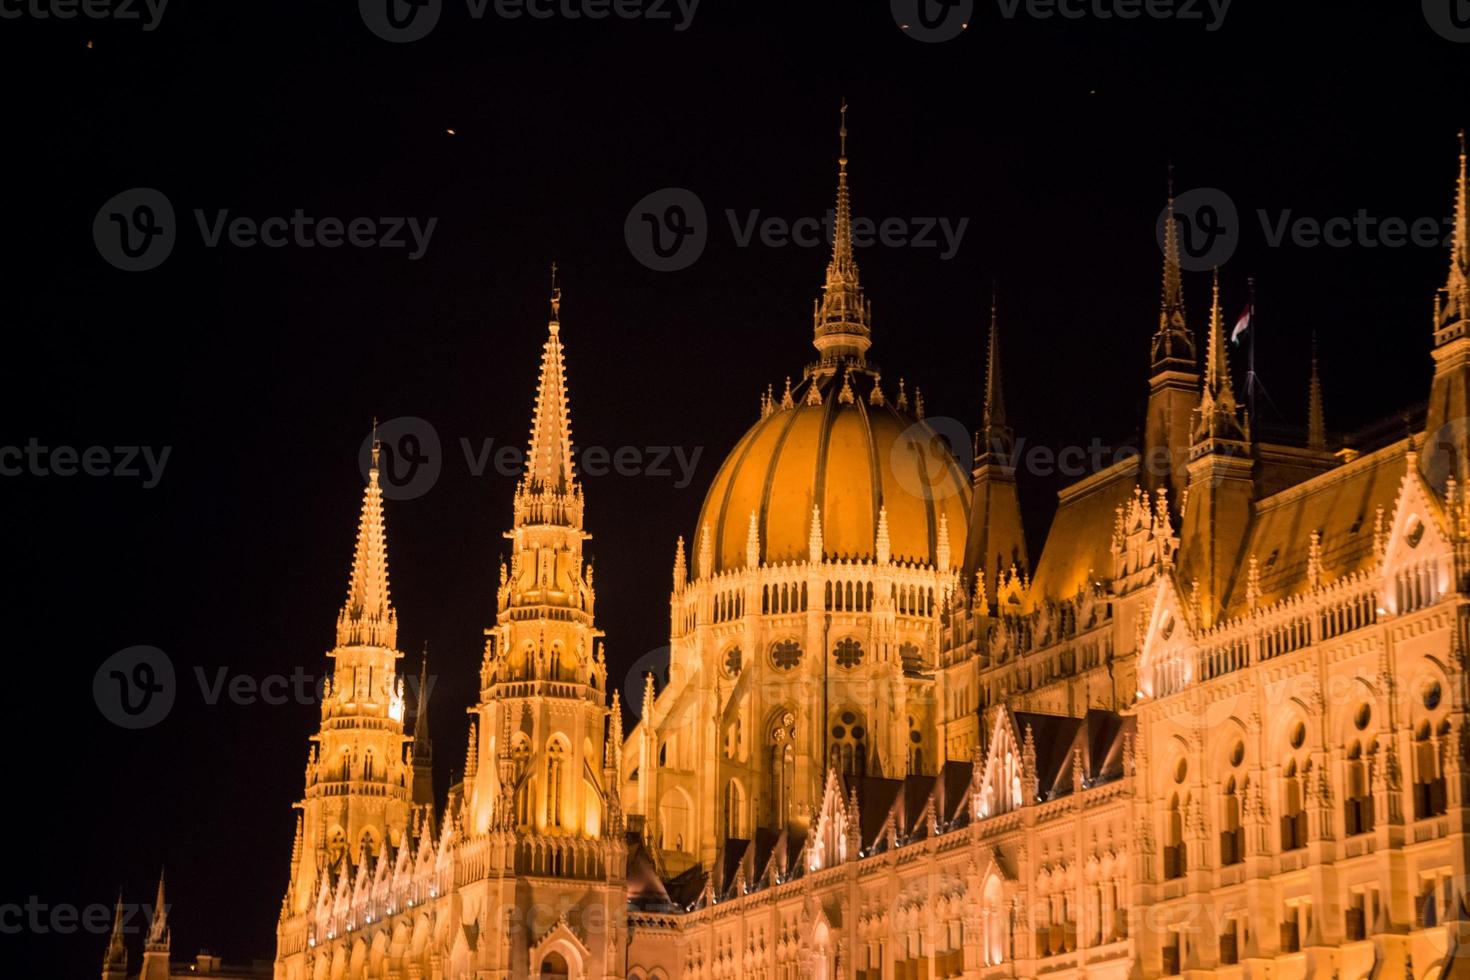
(115, 963)
(368, 617)
(1172, 341)
(422, 745)
(549, 492)
(842, 319)
(1217, 408)
(158, 933)
(1454, 304)
(1316, 421)
(994, 433)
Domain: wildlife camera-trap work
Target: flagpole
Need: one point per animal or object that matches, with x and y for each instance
(1250, 368)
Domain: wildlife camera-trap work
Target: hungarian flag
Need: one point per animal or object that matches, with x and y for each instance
(1243, 324)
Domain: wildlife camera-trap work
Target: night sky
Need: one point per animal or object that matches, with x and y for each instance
(261, 368)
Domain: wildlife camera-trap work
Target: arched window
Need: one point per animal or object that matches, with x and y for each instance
(1358, 802)
(1293, 815)
(1232, 835)
(554, 967)
(520, 757)
(555, 766)
(1175, 856)
(848, 749)
(734, 810)
(1429, 785)
(783, 766)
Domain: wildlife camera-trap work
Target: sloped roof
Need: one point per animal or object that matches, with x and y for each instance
(1079, 544)
(1341, 504)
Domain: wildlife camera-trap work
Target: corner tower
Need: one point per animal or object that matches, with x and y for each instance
(540, 802)
(358, 780)
(1174, 380)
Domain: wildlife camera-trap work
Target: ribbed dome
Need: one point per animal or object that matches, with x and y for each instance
(848, 456)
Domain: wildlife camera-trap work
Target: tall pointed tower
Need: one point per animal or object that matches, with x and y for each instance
(995, 541)
(156, 948)
(1449, 394)
(115, 961)
(544, 799)
(1174, 382)
(1218, 509)
(358, 791)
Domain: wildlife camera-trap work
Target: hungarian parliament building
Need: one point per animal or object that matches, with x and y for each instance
(1215, 729)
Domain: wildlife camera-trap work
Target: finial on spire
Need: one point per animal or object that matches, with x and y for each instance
(842, 324)
(555, 299)
(842, 137)
(373, 470)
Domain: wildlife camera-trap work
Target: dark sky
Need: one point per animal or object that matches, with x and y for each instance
(261, 368)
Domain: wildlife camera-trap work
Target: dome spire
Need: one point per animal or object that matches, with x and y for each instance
(842, 319)
(1454, 305)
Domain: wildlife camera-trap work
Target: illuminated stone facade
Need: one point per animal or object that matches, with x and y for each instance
(1216, 729)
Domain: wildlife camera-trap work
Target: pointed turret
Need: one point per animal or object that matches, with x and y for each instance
(753, 543)
(995, 434)
(842, 324)
(995, 529)
(423, 746)
(549, 492)
(1218, 412)
(1316, 421)
(681, 569)
(1453, 308)
(156, 946)
(115, 961)
(1449, 393)
(1174, 376)
(1173, 344)
(368, 617)
(1220, 486)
